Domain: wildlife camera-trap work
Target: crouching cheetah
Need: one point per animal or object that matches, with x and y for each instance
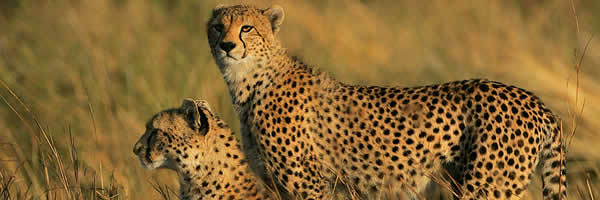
(204, 152)
(311, 132)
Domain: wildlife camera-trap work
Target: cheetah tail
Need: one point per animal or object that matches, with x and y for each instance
(554, 176)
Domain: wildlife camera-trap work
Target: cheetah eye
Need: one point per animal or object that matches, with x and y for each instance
(247, 28)
(218, 28)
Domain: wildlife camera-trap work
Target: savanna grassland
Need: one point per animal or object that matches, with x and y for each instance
(79, 79)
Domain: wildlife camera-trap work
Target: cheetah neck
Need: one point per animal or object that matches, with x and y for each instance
(217, 172)
(244, 78)
(259, 75)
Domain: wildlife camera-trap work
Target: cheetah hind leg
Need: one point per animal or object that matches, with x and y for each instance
(485, 178)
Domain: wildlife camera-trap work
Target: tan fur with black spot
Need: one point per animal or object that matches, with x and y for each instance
(204, 152)
(308, 130)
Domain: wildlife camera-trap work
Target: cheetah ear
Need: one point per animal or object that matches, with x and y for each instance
(275, 15)
(196, 113)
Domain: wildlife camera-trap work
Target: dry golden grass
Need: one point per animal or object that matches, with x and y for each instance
(86, 75)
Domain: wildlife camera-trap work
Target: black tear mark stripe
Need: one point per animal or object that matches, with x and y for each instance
(149, 142)
(243, 43)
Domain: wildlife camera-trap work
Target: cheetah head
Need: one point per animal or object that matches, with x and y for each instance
(240, 35)
(172, 133)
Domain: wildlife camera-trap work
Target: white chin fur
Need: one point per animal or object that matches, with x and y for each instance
(235, 70)
(153, 165)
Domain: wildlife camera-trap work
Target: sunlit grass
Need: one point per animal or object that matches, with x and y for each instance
(86, 75)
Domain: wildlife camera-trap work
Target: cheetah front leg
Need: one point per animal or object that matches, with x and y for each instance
(253, 154)
(292, 169)
(491, 170)
(306, 181)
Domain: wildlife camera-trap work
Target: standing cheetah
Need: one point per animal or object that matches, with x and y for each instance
(204, 152)
(311, 132)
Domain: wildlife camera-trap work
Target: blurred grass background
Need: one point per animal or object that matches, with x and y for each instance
(86, 75)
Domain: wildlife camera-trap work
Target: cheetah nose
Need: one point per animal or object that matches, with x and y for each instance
(227, 46)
